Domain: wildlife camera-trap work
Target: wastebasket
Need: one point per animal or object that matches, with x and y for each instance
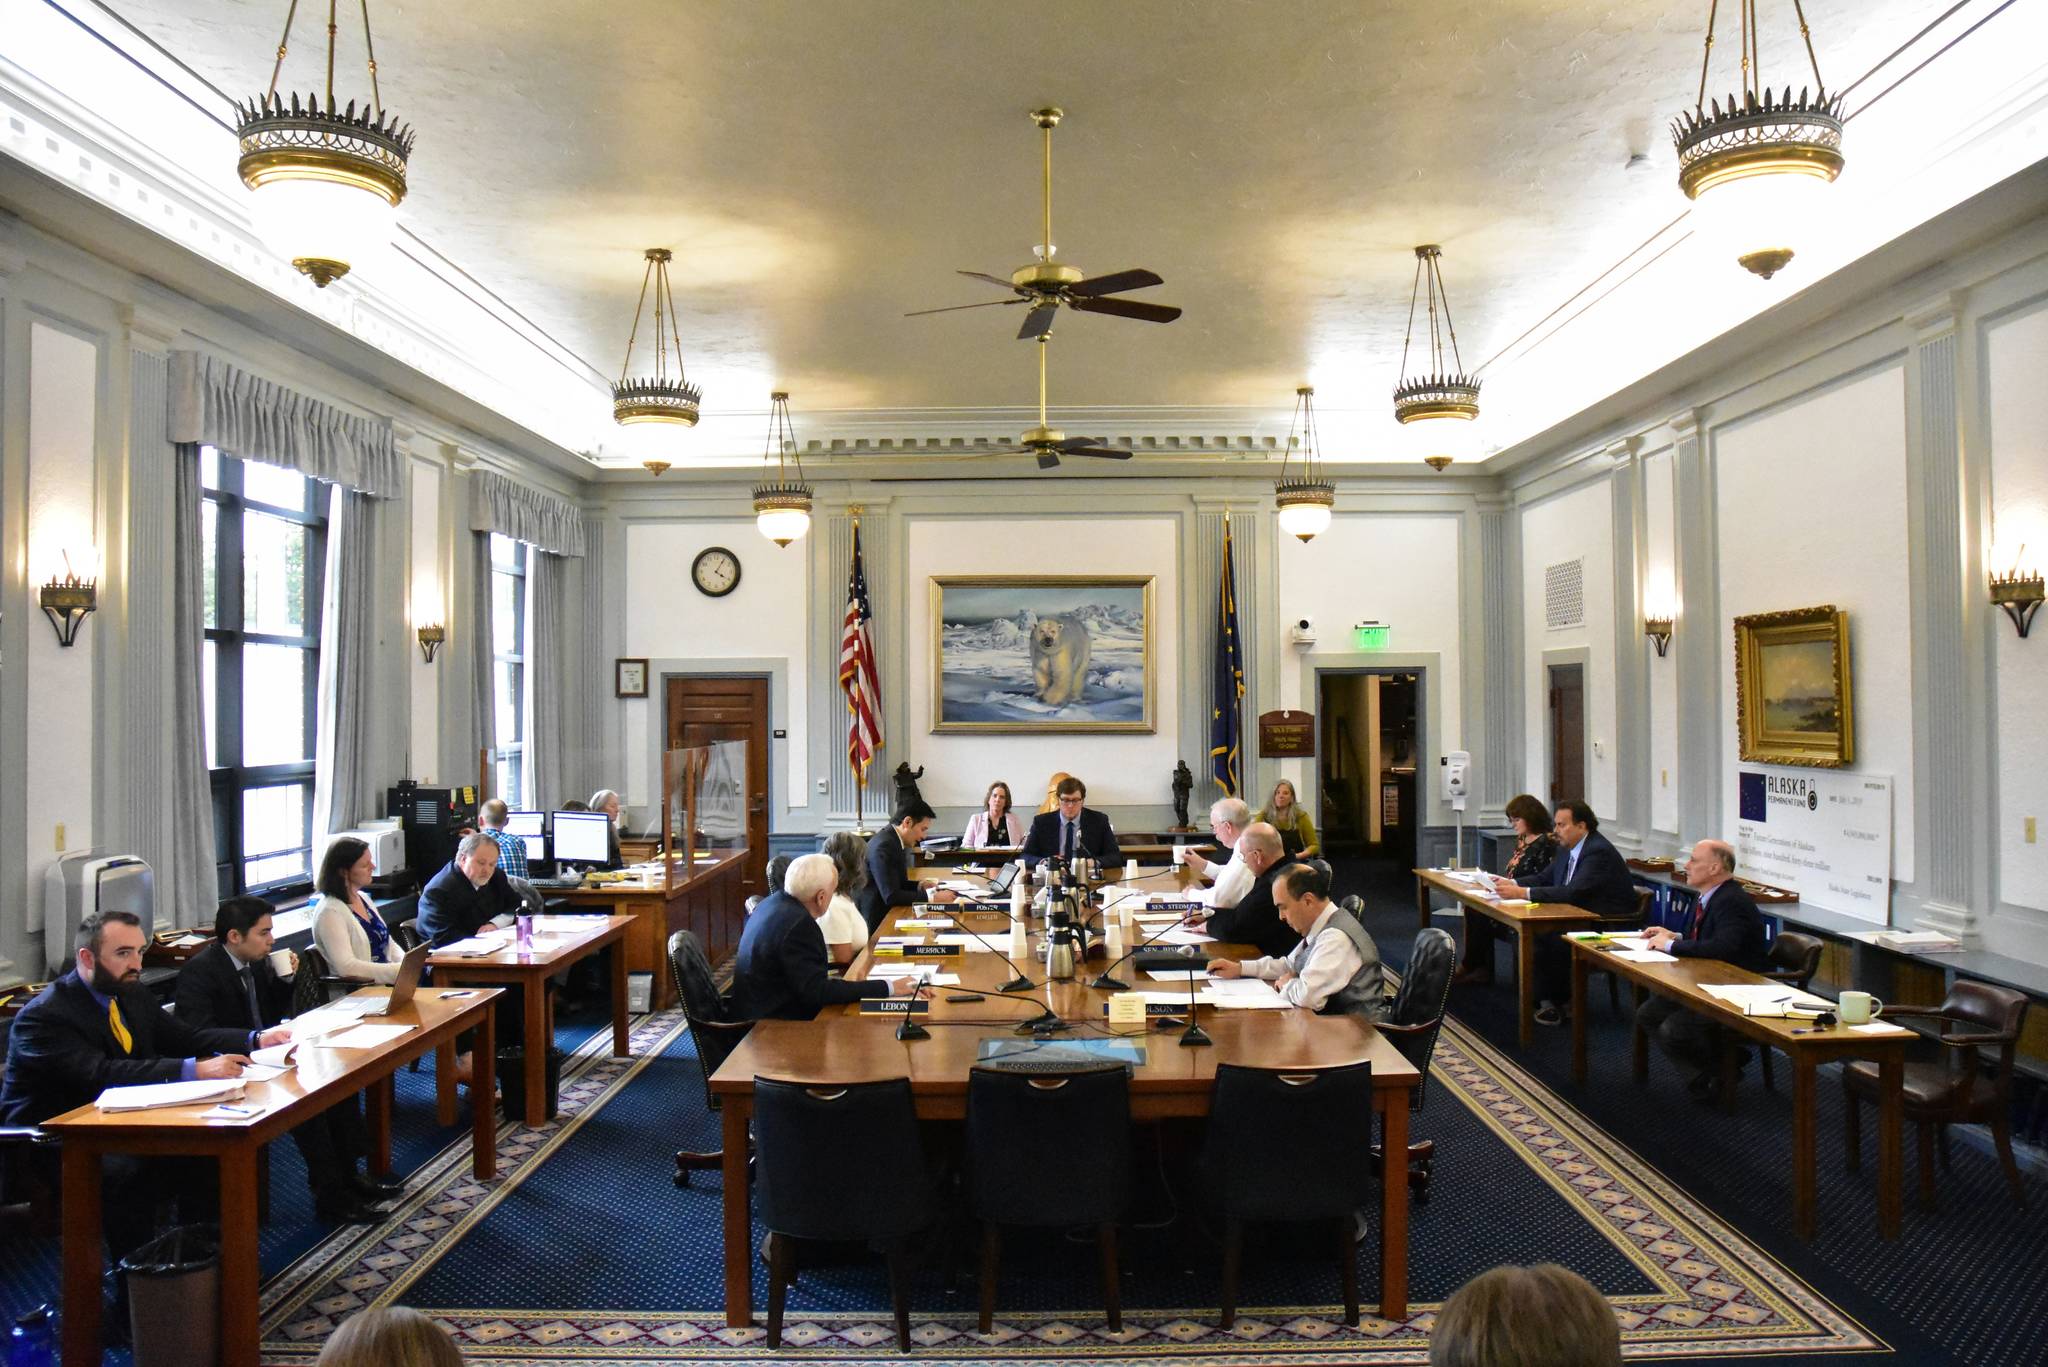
(512, 1082)
(174, 1298)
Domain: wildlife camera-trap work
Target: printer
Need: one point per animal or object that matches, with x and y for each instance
(84, 883)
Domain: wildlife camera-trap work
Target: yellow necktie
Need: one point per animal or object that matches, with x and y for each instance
(120, 1028)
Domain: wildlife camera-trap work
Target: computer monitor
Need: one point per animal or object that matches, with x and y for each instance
(536, 848)
(582, 837)
(526, 823)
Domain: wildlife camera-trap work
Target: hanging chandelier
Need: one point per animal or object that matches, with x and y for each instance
(1434, 402)
(327, 179)
(1756, 169)
(659, 397)
(782, 505)
(1306, 498)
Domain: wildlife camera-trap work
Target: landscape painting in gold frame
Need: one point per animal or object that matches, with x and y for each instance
(1042, 653)
(1793, 702)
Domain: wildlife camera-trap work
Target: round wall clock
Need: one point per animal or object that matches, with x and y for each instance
(715, 572)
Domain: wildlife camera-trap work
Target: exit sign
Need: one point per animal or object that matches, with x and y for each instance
(1371, 635)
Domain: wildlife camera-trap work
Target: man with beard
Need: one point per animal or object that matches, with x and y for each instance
(99, 1027)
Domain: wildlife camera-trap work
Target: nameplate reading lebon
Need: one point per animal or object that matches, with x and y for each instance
(917, 951)
(895, 1006)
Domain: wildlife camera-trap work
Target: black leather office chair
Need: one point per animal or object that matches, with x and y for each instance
(714, 1030)
(1049, 1150)
(315, 984)
(28, 1189)
(1319, 1119)
(1414, 1020)
(802, 1198)
(1795, 958)
(407, 932)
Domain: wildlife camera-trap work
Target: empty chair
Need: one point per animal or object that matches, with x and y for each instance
(314, 984)
(890, 1203)
(407, 932)
(1290, 1144)
(714, 1030)
(1621, 925)
(1049, 1150)
(1413, 1022)
(1795, 958)
(1951, 1090)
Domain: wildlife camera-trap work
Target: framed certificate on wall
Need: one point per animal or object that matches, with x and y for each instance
(629, 678)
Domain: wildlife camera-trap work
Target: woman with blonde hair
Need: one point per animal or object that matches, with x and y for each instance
(1297, 832)
(995, 826)
(1052, 792)
(1542, 1316)
(393, 1336)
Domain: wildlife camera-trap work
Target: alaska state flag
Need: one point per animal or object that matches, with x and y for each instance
(1227, 690)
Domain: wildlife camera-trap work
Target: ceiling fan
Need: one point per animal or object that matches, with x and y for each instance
(1046, 285)
(1049, 443)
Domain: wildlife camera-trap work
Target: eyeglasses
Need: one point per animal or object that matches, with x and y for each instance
(1072, 801)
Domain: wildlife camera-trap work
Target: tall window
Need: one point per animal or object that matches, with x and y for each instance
(508, 642)
(265, 531)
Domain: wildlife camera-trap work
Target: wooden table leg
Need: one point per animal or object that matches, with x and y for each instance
(539, 1039)
(735, 1111)
(483, 1108)
(618, 957)
(82, 1266)
(378, 1096)
(1422, 903)
(1394, 1207)
(1805, 1084)
(1525, 984)
(241, 1275)
(1891, 1075)
(1579, 1018)
(1639, 1049)
(444, 1082)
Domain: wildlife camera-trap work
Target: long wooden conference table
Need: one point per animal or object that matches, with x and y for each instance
(705, 900)
(1525, 921)
(844, 1046)
(321, 1078)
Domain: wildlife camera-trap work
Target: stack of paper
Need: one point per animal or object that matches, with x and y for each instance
(1767, 999)
(474, 947)
(327, 1020)
(1646, 956)
(364, 1037)
(154, 1095)
(1242, 994)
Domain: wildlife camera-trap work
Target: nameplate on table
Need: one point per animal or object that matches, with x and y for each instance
(895, 1006)
(1176, 1009)
(1175, 906)
(917, 951)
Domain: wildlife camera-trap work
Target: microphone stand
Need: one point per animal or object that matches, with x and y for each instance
(908, 1028)
(1044, 1020)
(1109, 984)
(1194, 1035)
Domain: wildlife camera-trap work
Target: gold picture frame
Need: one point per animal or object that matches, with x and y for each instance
(993, 671)
(1793, 699)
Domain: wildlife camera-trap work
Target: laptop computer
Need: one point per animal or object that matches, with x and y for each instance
(409, 969)
(999, 886)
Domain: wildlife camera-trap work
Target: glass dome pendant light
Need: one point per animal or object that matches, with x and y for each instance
(1304, 500)
(327, 180)
(782, 505)
(1435, 403)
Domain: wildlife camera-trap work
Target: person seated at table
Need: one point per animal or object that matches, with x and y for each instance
(1542, 1316)
(99, 1027)
(1255, 920)
(1230, 880)
(889, 858)
(844, 928)
(1535, 846)
(1725, 925)
(347, 930)
(491, 818)
(468, 895)
(389, 1336)
(231, 983)
(779, 969)
(1336, 967)
(1052, 791)
(1285, 815)
(1074, 828)
(995, 826)
(606, 801)
(1588, 873)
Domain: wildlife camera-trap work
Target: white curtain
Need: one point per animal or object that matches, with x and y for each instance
(547, 763)
(215, 403)
(539, 518)
(344, 788)
(190, 884)
(483, 703)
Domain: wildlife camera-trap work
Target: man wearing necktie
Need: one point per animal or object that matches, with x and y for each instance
(1072, 828)
(99, 1027)
(1588, 873)
(1725, 925)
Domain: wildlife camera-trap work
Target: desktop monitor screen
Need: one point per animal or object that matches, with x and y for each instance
(536, 848)
(527, 824)
(582, 837)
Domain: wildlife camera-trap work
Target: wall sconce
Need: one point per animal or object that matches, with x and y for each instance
(1658, 629)
(430, 641)
(2017, 592)
(67, 602)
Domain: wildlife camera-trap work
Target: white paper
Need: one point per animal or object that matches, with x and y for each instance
(261, 1072)
(921, 923)
(891, 972)
(1646, 956)
(153, 1095)
(1185, 935)
(566, 925)
(186, 941)
(365, 1037)
(326, 1021)
(1157, 976)
(474, 945)
(277, 1056)
(1880, 1028)
(222, 1113)
(963, 941)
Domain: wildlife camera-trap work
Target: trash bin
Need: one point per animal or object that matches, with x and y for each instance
(174, 1298)
(512, 1082)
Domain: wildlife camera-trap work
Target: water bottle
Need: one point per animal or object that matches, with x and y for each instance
(33, 1343)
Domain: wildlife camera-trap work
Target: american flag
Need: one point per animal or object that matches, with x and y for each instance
(857, 678)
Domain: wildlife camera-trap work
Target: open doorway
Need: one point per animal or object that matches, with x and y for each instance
(1367, 762)
(1567, 733)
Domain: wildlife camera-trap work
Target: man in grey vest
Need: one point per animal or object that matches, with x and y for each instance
(1336, 967)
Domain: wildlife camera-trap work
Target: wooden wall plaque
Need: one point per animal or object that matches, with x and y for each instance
(1287, 735)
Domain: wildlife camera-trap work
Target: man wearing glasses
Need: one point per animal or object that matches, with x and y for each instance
(1072, 830)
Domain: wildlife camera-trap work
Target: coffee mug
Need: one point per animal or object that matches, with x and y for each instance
(283, 963)
(1859, 1008)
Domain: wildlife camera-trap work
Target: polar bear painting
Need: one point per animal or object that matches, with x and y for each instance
(1042, 654)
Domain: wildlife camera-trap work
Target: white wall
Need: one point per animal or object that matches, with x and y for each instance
(62, 399)
(1812, 509)
(767, 617)
(1576, 524)
(1660, 596)
(1120, 770)
(2016, 362)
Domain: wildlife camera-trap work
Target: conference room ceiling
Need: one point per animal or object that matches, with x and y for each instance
(820, 168)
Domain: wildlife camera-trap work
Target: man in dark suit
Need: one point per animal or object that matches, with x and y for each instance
(1256, 919)
(98, 1027)
(231, 983)
(779, 970)
(1074, 828)
(890, 855)
(1588, 873)
(467, 895)
(1725, 925)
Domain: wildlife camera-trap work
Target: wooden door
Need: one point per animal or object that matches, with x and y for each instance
(700, 711)
(1567, 734)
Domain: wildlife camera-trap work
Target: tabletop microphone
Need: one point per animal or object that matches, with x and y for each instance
(1021, 983)
(908, 1028)
(1109, 984)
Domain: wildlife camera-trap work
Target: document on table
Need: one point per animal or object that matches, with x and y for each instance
(365, 1037)
(566, 925)
(1646, 956)
(475, 946)
(921, 923)
(1880, 1028)
(261, 1072)
(964, 941)
(1185, 935)
(1619, 942)
(155, 1095)
(1767, 999)
(277, 1056)
(1158, 976)
(325, 1021)
(1241, 994)
(891, 972)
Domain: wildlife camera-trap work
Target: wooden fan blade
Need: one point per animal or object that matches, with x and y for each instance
(1037, 323)
(1115, 284)
(1048, 459)
(955, 308)
(1127, 308)
(1104, 452)
(983, 275)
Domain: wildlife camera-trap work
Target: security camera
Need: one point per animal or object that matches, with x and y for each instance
(1303, 631)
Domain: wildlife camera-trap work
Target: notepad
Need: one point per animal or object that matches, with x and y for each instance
(156, 1095)
(365, 1036)
(1156, 976)
(1646, 956)
(277, 1056)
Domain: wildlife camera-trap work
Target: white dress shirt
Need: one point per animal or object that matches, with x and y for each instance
(1231, 882)
(1321, 964)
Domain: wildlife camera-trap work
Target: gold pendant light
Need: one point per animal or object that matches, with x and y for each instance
(1435, 402)
(659, 397)
(327, 179)
(782, 505)
(1304, 500)
(1757, 169)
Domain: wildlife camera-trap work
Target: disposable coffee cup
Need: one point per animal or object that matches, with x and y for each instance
(1130, 868)
(283, 963)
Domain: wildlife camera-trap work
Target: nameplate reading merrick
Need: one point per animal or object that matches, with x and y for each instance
(917, 951)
